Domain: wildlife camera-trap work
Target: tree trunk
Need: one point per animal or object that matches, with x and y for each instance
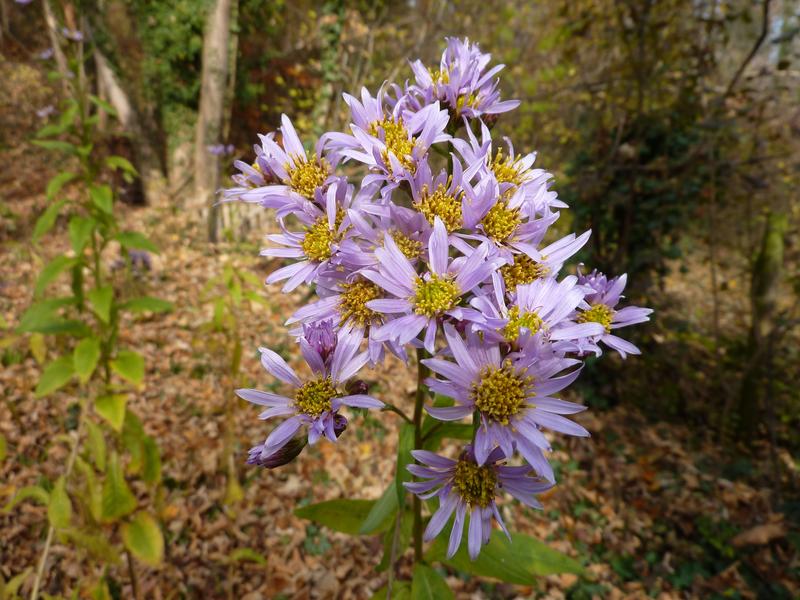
(55, 42)
(211, 112)
(764, 294)
(145, 150)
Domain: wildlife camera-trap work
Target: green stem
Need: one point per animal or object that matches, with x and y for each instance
(422, 391)
(392, 408)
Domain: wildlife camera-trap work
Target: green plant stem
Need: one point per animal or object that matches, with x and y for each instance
(51, 530)
(392, 408)
(422, 390)
(132, 575)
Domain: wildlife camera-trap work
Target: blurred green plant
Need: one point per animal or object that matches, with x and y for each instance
(91, 505)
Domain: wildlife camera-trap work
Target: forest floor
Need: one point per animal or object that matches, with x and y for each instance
(651, 509)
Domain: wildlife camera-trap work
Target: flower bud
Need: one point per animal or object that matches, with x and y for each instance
(357, 386)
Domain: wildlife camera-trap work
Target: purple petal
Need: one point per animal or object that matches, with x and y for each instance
(273, 363)
(281, 434)
(262, 398)
(475, 536)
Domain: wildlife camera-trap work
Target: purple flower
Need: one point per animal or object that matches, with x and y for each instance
(469, 489)
(511, 394)
(390, 143)
(220, 149)
(291, 177)
(321, 337)
(45, 111)
(462, 81)
(317, 244)
(72, 34)
(291, 450)
(423, 300)
(45, 54)
(599, 307)
(544, 306)
(23, 2)
(316, 402)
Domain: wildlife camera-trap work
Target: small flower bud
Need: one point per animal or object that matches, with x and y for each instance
(357, 386)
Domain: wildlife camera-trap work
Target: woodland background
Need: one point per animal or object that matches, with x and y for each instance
(673, 130)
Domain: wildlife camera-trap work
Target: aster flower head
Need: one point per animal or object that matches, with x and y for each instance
(599, 306)
(511, 394)
(462, 81)
(289, 177)
(543, 307)
(314, 403)
(317, 244)
(390, 142)
(421, 300)
(470, 490)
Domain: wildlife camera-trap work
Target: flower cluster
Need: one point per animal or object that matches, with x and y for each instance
(443, 245)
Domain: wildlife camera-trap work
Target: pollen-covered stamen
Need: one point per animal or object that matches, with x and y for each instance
(507, 169)
(524, 270)
(599, 313)
(476, 485)
(439, 76)
(397, 140)
(314, 397)
(443, 204)
(516, 321)
(434, 295)
(500, 392)
(317, 244)
(353, 302)
(464, 100)
(410, 247)
(306, 175)
(501, 221)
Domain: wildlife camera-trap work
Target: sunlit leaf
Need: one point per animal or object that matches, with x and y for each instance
(143, 537)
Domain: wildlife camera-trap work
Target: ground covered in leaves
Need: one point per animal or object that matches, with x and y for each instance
(650, 509)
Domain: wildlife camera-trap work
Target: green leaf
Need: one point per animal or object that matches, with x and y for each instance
(142, 536)
(101, 299)
(92, 495)
(401, 590)
(85, 357)
(136, 241)
(404, 447)
(403, 539)
(112, 409)
(427, 584)
(247, 555)
(456, 431)
(151, 461)
(97, 545)
(118, 500)
(97, 445)
(31, 492)
(41, 314)
(80, 232)
(57, 145)
(382, 511)
(38, 347)
(47, 219)
(340, 515)
(519, 561)
(102, 197)
(121, 163)
(129, 365)
(59, 509)
(103, 105)
(55, 375)
(56, 183)
(10, 590)
(148, 303)
(52, 270)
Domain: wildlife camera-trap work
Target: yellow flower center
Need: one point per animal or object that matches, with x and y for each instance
(320, 237)
(314, 397)
(500, 222)
(444, 205)
(499, 393)
(599, 313)
(439, 76)
(476, 485)
(410, 248)
(524, 270)
(462, 101)
(506, 169)
(435, 296)
(516, 321)
(397, 140)
(306, 175)
(353, 302)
